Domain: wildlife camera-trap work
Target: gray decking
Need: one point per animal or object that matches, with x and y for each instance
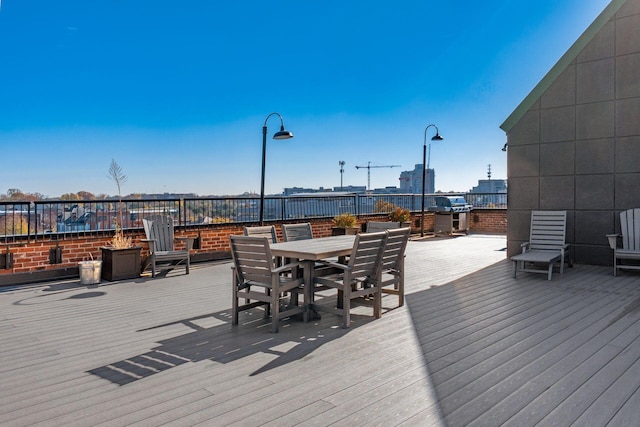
(471, 346)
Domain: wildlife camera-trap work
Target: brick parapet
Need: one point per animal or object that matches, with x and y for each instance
(214, 240)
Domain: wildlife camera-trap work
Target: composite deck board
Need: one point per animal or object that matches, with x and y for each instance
(471, 346)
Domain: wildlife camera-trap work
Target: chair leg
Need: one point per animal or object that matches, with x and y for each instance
(275, 316)
(346, 309)
(550, 272)
(515, 268)
(153, 265)
(188, 264)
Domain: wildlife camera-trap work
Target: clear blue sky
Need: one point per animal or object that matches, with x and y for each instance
(177, 92)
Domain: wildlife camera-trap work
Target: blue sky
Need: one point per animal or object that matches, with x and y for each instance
(177, 92)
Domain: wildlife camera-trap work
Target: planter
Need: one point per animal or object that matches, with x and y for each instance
(405, 224)
(339, 231)
(120, 264)
(90, 272)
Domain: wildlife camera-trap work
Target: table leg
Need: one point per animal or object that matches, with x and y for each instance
(308, 288)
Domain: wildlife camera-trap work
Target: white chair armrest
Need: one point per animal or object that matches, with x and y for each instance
(613, 240)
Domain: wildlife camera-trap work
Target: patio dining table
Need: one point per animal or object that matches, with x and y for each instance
(308, 252)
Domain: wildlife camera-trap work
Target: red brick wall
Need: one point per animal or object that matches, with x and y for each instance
(31, 257)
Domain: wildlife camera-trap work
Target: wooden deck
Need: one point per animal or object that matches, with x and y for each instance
(472, 346)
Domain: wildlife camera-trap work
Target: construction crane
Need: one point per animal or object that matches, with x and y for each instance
(368, 167)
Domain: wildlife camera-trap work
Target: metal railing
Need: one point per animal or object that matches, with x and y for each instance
(60, 219)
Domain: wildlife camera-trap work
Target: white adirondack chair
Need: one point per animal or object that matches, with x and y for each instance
(630, 237)
(546, 244)
(162, 252)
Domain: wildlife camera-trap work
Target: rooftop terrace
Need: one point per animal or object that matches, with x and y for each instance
(472, 346)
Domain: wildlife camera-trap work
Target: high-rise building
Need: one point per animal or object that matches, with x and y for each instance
(411, 181)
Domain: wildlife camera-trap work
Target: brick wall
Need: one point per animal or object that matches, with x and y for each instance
(34, 257)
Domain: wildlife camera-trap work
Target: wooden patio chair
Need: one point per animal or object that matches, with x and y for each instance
(377, 226)
(253, 267)
(546, 244)
(358, 278)
(392, 265)
(160, 235)
(630, 237)
(293, 232)
(268, 231)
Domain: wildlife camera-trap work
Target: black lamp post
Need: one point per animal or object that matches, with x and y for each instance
(437, 137)
(281, 134)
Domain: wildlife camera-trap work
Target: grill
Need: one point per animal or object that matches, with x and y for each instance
(450, 204)
(451, 214)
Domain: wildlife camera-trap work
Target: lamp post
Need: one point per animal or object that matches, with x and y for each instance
(281, 134)
(436, 137)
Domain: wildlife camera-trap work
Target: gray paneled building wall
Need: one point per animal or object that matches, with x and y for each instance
(574, 142)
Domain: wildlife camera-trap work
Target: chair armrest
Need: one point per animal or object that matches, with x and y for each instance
(286, 267)
(189, 241)
(333, 264)
(613, 240)
(524, 246)
(151, 243)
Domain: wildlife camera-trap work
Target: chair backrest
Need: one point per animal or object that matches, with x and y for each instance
(394, 248)
(160, 229)
(293, 232)
(268, 231)
(630, 229)
(365, 259)
(374, 226)
(548, 230)
(252, 258)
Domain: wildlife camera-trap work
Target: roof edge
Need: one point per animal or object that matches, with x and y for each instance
(562, 64)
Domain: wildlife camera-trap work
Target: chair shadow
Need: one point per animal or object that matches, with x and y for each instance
(224, 343)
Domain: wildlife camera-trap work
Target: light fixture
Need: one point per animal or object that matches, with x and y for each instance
(425, 165)
(504, 147)
(281, 134)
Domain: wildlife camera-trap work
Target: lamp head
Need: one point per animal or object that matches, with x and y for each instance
(282, 134)
(437, 137)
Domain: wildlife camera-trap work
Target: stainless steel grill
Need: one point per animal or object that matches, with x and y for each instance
(451, 204)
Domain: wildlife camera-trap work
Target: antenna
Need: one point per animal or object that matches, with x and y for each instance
(341, 163)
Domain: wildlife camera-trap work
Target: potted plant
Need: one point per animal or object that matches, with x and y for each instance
(345, 223)
(401, 215)
(121, 259)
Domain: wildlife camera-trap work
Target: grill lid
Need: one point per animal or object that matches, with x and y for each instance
(451, 204)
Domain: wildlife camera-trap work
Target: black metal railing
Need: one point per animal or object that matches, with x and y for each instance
(60, 219)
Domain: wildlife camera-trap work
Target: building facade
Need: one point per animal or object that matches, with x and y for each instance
(574, 141)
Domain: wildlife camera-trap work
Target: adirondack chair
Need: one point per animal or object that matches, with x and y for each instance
(546, 244)
(358, 278)
(376, 226)
(162, 253)
(253, 267)
(392, 266)
(630, 236)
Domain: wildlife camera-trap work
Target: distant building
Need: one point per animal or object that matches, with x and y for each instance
(490, 186)
(411, 181)
(297, 190)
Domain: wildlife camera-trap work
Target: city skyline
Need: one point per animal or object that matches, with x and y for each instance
(178, 95)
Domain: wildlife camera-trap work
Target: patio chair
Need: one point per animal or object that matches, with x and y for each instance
(546, 244)
(293, 232)
(253, 267)
(376, 226)
(630, 236)
(268, 231)
(160, 235)
(392, 266)
(357, 279)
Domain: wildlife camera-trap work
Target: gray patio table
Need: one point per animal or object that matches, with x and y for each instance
(308, 252)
